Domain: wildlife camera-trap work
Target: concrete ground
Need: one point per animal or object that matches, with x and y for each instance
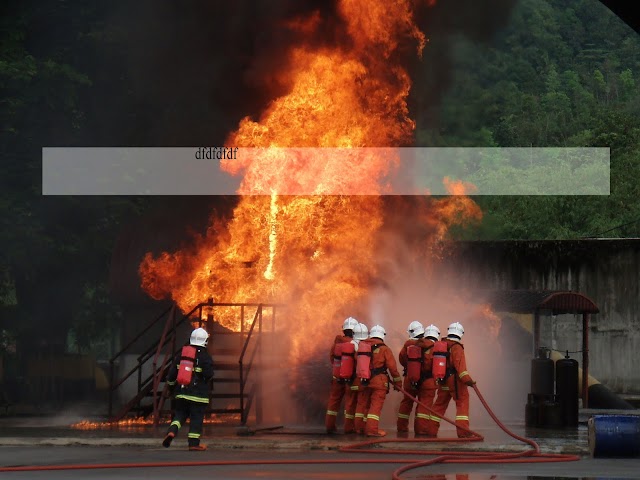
(37, 441)
(46, 431)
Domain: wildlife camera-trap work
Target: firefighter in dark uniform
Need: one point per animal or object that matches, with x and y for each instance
(191, 400)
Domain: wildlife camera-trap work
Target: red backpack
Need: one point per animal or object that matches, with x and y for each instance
(414, 364)
(440, 356)
(337, 359)
(348, 360)
(187, 363)
(363, 362)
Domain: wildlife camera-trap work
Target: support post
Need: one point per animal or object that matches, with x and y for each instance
(585, 360)
(536, 332)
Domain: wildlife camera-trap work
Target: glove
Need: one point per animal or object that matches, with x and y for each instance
(397, 386)
(469, 383)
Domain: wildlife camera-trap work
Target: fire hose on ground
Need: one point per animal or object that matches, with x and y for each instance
(528, 456)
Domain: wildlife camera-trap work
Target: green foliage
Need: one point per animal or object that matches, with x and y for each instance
(557, 76)
(55, 250)
(94, 318)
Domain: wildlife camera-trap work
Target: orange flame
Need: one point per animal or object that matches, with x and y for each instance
(318, 254)
(133, 423)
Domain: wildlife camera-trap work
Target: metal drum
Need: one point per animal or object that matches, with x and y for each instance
(614, 435)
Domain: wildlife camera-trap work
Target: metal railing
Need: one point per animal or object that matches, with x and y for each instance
(158, 373)
(160, 363)
(246, 368)
(145, 385)
(113, 385)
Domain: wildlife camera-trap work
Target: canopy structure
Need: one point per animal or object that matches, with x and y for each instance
(549, 302)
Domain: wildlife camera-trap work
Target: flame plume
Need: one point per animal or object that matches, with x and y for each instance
(315, 251)
(317, 254)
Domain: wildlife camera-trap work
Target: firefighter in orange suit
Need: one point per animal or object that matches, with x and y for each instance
(416, 333)
(455, 386)
(427, 388)
(364, 394)
(360, 333)
(371, 398)
(337, 387)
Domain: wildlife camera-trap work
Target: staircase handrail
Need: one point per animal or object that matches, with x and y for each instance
(161, 365)
(245, 374)
(137, 337)
(157, 374)
(146, 355)
(257, 315)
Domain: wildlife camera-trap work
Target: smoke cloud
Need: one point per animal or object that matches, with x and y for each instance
(192, 70)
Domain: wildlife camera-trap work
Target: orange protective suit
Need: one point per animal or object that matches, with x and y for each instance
(352, 392)
(371, 398)
(337, 390)
(363, 398)
(406, 404)
(426, 391)
(454, 387)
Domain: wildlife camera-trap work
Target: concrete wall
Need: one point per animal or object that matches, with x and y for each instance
(605, 270)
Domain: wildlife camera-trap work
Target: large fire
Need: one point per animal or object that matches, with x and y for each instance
(316, 253)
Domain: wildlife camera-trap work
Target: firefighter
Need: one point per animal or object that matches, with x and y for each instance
(371, 398)
(192, 399)
(455, 386)
(427, 388)
(363, 364)
(360, 333)
(416, 333)
(337, 386)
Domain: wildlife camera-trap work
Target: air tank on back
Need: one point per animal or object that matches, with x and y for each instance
(567, 389)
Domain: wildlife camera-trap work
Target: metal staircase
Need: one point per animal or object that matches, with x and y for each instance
(235, 387)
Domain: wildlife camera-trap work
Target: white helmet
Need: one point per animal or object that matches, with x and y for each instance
(199, 337)
(361, 332)
(432, 331)
(377, 332)
(455, 329)
(415, 329)
(349, 324)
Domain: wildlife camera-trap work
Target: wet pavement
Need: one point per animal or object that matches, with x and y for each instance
(168, 464)
(51, 431)
(47, 430)
(49, 440)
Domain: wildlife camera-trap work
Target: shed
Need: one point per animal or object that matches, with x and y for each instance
(550, 302)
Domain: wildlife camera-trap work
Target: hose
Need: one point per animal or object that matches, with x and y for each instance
(527, 456)
(532, 455)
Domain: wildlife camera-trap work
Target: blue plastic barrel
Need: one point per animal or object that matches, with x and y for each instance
(614, 435)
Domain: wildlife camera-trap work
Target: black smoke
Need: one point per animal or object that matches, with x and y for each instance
(185, 73)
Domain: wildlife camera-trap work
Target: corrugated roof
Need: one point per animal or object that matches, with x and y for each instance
(528, 301)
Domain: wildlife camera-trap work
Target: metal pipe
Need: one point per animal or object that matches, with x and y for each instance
(585, 360)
